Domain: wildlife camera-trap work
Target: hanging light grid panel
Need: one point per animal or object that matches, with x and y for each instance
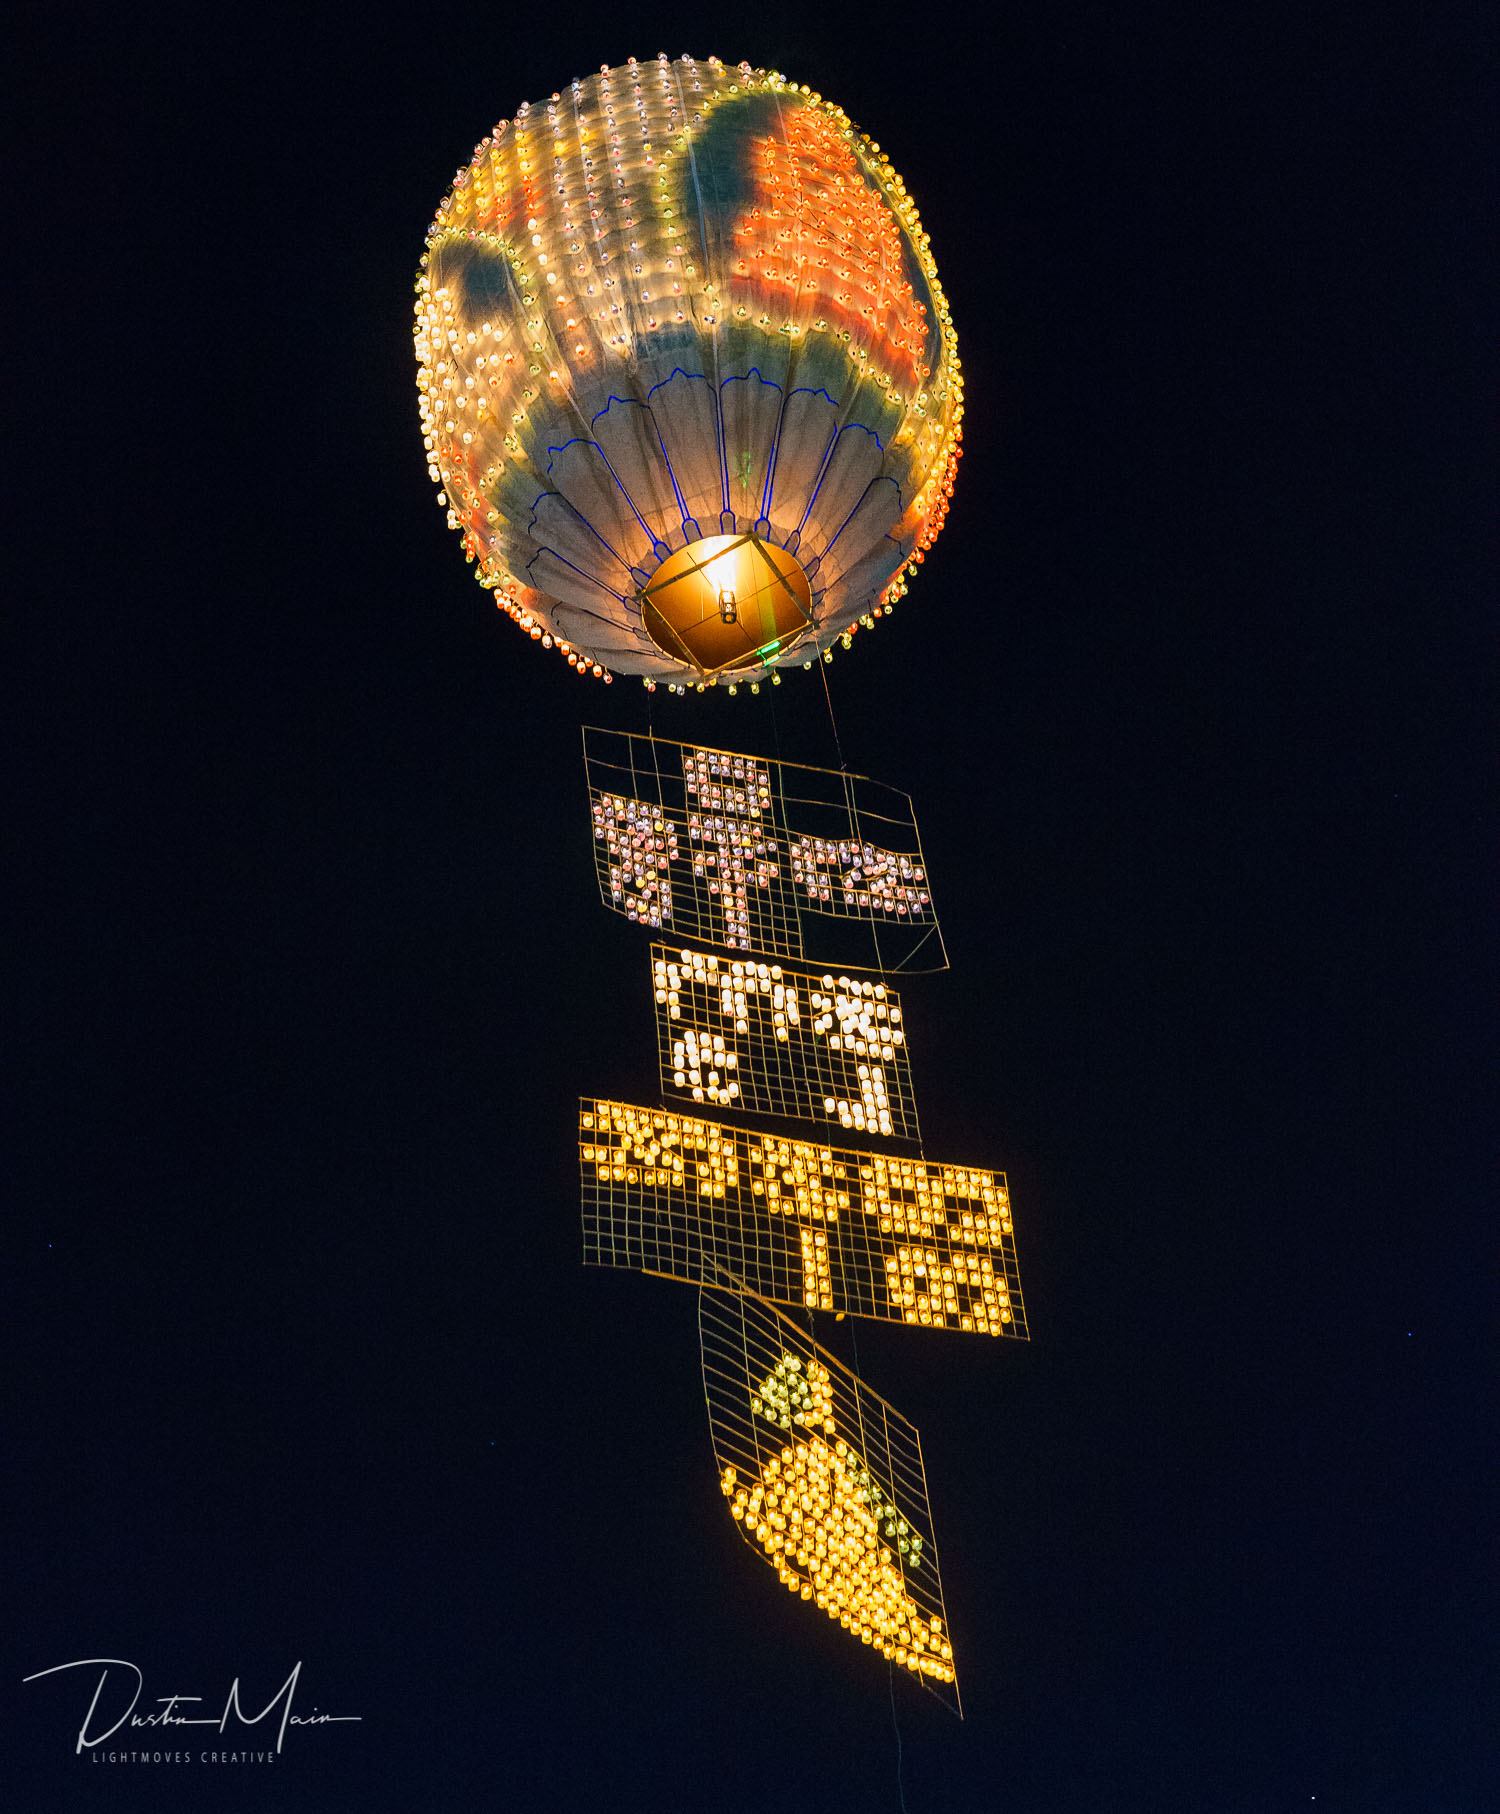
(757, 856)
(827, 1228)
(775, 1039)
(825, 1481)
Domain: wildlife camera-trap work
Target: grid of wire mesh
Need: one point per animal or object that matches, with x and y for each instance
(754, 855)
(775, 1039)
(901, 1240)
(825, 1481)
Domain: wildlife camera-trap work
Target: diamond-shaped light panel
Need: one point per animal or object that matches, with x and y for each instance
(825, 1480)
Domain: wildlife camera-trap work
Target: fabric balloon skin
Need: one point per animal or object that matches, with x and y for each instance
(683, 301)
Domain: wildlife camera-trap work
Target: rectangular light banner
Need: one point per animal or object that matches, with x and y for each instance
(904, 1240)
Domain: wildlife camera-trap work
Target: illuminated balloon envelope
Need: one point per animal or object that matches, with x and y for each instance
(688, 382)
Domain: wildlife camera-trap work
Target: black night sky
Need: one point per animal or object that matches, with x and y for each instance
(308, 970)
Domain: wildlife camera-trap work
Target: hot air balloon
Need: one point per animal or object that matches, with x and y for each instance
(690, 394)
(825, 1480)
(689, 388)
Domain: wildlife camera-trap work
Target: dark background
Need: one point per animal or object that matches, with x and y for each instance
(309, 971)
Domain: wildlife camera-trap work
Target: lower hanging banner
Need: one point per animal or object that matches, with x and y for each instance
(825, 1480)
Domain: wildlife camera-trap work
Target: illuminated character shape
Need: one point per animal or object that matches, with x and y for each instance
(830, 1529)
(724, 865)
